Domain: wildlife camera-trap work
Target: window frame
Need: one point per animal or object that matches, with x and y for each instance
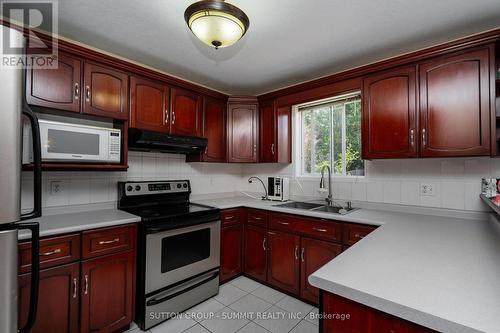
(299, 137)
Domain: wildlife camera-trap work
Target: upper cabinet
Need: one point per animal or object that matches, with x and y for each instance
(242, 130)
(449, 117)
(214, 129)
(57, 88)
(105, 91)
(185, 112)
(275, 133)
(390, 114)
(149, 105)
(455, 105)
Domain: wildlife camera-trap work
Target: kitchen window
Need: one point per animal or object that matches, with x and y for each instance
(330, 134)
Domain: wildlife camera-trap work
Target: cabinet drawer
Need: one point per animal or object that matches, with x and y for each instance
(356, 232)
(324, 229)
(109, 240)
(257, 217)
(284, 222)
(230, 216)
(54, 251)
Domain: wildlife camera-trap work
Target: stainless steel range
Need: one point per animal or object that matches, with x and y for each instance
(179, 248)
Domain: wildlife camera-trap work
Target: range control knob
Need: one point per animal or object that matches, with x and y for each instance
(129, 188)
(185, 185)
(137, 188)
(179, 185)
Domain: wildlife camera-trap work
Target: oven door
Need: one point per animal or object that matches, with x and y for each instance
(176, 255)
(62, 142)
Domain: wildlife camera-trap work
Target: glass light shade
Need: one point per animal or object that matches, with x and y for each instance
(216, 28)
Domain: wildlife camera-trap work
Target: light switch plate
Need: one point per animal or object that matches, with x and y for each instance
(427, 189)
(57, 187)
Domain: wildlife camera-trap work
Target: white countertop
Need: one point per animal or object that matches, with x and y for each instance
(442, 272)
(57, 224)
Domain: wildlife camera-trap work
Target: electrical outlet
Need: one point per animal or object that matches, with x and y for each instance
(56, 187)
(427, 189)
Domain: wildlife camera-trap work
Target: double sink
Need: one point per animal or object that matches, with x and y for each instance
(317, 207)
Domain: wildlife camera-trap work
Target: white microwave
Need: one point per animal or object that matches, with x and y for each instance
(67, 142)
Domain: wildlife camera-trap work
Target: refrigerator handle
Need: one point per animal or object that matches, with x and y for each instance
(37, 165)
(35, 272)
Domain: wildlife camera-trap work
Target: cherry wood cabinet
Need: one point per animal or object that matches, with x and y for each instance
(149, 105)
(105, 91)
(275, 133)
(455, 104)
(231, 254)
(58, 300)
(185, 112)
(353, 233)
(390, 114)
(107, 293)
(242, 131)
(362, 319)
(255, 252)
(314, 254)
(58, 88)
(283, 261)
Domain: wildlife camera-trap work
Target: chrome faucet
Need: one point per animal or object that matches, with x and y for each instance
(329, 199)
(265, 197)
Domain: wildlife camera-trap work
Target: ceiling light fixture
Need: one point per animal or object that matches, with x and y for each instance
(216, 23)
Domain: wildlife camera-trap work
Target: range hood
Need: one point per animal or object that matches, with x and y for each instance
(140, 140)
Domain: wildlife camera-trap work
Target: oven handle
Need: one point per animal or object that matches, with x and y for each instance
(155, 301)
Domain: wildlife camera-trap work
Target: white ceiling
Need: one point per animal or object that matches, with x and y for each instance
(289, 41)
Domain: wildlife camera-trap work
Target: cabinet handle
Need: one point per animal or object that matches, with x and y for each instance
(284, 223)
(50, 252)
(264, 241)
(302, 254)
(256, 218)
(296, 252)
(166, 116)
(412, 137)
(424, 138)
(87, 93)
(75, 287)
(254, 148)
(173, 117)
(86, 291)
(320, 230)
(116, 240)
(272, 148)
(230, 217)
(206, 150)
(359, 236)
(77, 91)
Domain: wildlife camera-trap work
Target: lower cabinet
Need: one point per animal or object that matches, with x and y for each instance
(255, 254)
(107, 293)
(362, 319)
(283, 261)
(57, 300)
(314, 254)
(231, 245)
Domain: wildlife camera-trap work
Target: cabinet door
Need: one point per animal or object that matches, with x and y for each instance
(214, 129)
(360, 315)
(255, 252)
(57, 88)
(106, 92)
(389, 114)
(283, 263)
(455, 105)
(242, 133)
(186, 112)
(149, 105)
(57, 300)
(107, 293)
(267, 133)
(230, 258)
(283, 145)
(314, 254)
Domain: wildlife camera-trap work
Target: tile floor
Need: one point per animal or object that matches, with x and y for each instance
(244, 306)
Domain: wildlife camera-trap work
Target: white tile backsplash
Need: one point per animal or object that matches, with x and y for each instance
(456, 181)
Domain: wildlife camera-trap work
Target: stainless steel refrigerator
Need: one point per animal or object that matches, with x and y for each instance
(13, 108)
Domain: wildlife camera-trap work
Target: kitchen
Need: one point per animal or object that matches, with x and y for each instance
(238, 182)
